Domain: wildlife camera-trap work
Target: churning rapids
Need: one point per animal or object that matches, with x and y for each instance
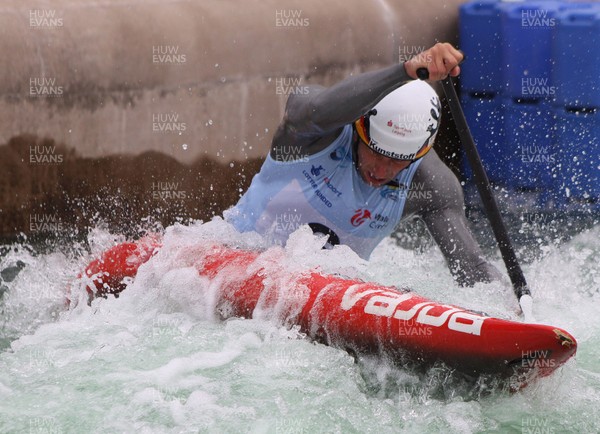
(156, 360)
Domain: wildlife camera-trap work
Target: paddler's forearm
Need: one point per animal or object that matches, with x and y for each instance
(465, 259)
(439, 202)
(349, 99)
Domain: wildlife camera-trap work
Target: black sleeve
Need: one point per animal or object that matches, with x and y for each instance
(313, 118)
(441, 206)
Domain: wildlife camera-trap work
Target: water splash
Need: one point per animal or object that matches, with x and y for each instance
(156, 360)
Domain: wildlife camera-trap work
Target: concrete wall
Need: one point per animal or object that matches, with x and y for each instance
(217, 72)
(120, 111)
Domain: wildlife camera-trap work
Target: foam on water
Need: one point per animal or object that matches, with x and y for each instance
(158, 359)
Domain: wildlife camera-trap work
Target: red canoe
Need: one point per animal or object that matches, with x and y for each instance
(361, 317)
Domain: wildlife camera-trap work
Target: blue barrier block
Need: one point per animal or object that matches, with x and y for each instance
(522, 57)
(576, 71)
(527, 29)
(578, 143)
(480, 40)
(531, 158)
(485, 117)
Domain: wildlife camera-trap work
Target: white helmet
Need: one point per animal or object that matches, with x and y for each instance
(403, 125)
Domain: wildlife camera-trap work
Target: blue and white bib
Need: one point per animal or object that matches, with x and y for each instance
(326, 191)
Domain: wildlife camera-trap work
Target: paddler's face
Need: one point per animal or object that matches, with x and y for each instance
(375, 169)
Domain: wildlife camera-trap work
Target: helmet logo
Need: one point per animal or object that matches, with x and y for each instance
(435, 114)
(432, 128)
(360, 216)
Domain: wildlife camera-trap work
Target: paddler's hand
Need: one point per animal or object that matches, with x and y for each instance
(440, 60)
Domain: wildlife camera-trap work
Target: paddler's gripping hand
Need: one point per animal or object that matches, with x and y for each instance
(440, 61)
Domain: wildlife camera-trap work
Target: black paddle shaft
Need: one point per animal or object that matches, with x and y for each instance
(483, 186)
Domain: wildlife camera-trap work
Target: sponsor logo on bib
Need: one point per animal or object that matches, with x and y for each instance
(316, 171)
(360, 216)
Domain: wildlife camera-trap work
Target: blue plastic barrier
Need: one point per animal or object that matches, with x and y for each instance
(531, 67)
(576, 55)
(481, 39)
(531, 157)
(527, 49)
(578, 142)
(486, 121)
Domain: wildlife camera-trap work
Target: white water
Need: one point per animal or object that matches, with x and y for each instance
(156, 360)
